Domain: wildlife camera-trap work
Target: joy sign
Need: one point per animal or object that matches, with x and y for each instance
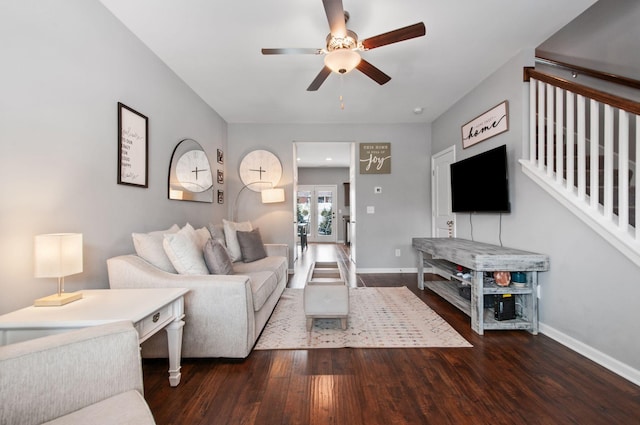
(375, 158)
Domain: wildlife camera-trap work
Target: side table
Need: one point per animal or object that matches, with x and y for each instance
(150, 310)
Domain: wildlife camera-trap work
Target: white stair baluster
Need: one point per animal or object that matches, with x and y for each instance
(594, 153)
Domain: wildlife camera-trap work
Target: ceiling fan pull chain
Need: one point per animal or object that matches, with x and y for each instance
(341, 90)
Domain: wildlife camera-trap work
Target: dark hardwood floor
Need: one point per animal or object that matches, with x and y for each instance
(508, 377)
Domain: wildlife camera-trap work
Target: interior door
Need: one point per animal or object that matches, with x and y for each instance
(443, 220)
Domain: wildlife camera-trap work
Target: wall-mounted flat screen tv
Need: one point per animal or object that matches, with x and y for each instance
(481, 183)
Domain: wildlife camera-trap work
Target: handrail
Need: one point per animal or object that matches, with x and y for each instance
(595, 94)
(607, 76)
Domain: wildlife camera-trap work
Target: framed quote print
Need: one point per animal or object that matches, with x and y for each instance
(133, 148)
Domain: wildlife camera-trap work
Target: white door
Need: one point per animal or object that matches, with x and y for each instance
(325, 214)
(317, 207)
(443, 220)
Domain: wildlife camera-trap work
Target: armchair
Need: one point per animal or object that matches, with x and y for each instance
(89, 376)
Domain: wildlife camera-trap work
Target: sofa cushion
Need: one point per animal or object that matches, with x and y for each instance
(217, 258)
(276, 265)
(184, 253)
(149, 247)
(251, 245)
(125, 408)
(263, 283)
(230, 229)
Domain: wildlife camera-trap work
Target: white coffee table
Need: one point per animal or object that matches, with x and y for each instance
(150, 310)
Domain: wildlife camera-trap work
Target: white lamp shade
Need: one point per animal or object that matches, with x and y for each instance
(58, 254)
(270, 196)
(342, 61)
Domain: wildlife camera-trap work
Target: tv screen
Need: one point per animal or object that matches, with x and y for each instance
(481, 183)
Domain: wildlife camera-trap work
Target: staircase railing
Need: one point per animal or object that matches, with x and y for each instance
(584, 149)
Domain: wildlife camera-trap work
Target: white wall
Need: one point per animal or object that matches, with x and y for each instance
(589, 296)
(401, 211)
(65, 65)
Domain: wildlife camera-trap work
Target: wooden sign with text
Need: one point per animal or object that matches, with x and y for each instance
(375, 158)
(487, 125)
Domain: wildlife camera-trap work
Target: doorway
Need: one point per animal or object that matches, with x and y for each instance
(443, 220)
(316, 209)
(322, 164)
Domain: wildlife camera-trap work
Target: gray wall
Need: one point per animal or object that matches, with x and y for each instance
(604, 37)
(329, 176)
(589, 296)
(401, 211)
(65, 65)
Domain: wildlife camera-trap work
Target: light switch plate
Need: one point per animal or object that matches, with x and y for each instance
(371, 210)
(377, 189)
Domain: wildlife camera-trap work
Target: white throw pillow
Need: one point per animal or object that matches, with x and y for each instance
(231, 238)
(183, 251)
(202, 236)
(149, 247)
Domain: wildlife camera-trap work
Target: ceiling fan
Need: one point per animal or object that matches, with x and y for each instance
(341, 51)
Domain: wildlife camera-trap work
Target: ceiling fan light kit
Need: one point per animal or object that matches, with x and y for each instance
(341, 53)
(342, 61)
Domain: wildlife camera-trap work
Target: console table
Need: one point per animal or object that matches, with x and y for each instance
(150, 310)
(443, 255)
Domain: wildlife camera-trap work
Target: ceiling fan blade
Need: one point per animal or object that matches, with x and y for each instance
(335, 16)
(292, 51)
(372, 72)
(401, 34)
(317, 82)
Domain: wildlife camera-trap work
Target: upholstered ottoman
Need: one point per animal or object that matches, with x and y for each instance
(326, 295)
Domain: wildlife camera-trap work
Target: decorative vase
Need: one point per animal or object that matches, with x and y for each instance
(502, 278)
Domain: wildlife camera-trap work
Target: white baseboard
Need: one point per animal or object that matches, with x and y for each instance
(591, 353)
(401, 270)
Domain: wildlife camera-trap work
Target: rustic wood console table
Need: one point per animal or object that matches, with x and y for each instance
(443, 255)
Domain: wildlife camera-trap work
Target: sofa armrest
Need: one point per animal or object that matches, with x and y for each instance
(218, 308)
(49, 377)
(277, 250)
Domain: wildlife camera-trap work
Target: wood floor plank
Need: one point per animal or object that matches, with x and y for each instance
(507, 377)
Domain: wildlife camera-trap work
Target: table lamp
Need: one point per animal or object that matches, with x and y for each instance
(58, 255)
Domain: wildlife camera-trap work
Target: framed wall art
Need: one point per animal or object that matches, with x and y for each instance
(220, 177)
(221, 196)
(375, 158)
(133, 147)
(487, 125)
(220, 157)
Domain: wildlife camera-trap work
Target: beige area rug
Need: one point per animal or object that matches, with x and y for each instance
(378, 318)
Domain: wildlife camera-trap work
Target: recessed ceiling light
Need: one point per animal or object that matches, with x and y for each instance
(329, 158)
(418, 110)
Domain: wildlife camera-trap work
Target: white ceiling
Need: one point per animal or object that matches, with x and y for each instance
(214, 46)
(323, 154)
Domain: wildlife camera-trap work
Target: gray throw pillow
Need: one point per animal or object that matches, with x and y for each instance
(251, 245)
(217, 258)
